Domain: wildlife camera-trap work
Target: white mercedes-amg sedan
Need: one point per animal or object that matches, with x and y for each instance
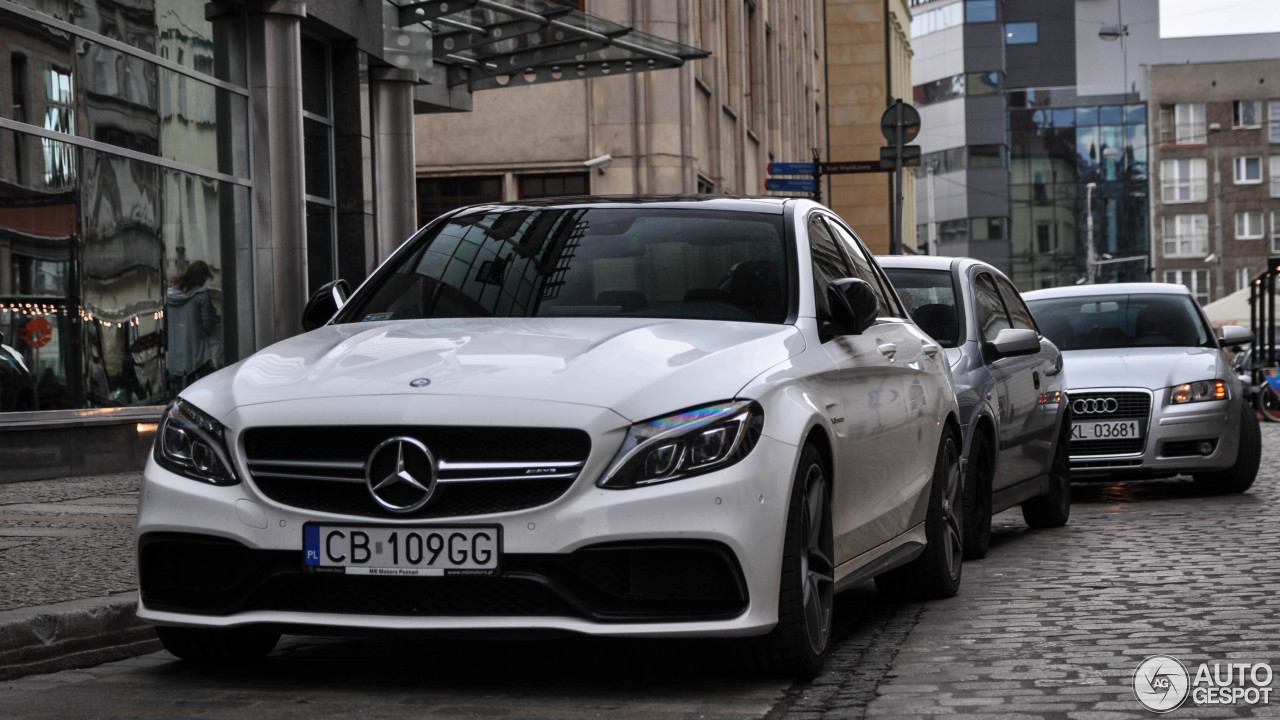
(630, 417)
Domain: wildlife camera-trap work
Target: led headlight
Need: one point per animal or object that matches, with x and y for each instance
(1198, 391)
(688, 443)
(191, 444)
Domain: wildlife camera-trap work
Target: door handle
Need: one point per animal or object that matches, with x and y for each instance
(1035, 378)
(888, 350)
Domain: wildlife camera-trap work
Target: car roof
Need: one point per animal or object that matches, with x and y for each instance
(918, 262)
(1145, 288)
(773, 205)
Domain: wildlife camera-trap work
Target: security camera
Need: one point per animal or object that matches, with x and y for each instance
(599, 163)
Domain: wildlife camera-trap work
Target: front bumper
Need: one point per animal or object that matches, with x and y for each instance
(699, 556)
(1173, 441)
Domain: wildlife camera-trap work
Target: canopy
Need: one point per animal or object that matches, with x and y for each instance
(1231, 310)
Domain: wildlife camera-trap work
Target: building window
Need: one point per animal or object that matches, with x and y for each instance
(1275, 232)
(1026, 33)
(935, 91)
(988, 228)
(1246, 114)
(1248, 169)
(1243, 277)
(705, 185)
(1196, 280)
(1183, 180)
(1186, 236)
(1249, 225)
(976, 11)
(436, 196)
(1273, 117)
(540, 186)
(1182, 124)
(1044, 236)
(317, 149)
(983, 83)
(937, 20)
(1275, 176)
(59, 157)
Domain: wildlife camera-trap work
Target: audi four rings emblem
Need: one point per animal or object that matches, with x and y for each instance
(1094, 406)
(401, 474)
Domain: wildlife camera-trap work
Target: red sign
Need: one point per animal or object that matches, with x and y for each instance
(37, 333)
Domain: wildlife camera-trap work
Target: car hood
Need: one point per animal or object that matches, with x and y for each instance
(640, 368)
(1146, 367)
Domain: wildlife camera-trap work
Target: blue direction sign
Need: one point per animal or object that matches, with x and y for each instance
(806, 185)
(791, 168)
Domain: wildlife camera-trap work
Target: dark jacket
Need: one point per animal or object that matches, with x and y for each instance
(190, 318)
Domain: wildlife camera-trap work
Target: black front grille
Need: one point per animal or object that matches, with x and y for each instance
(1129, 406)
(322, 468)
(618, 582)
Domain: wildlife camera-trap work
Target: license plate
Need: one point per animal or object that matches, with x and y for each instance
(1097, 430)
(403, 551)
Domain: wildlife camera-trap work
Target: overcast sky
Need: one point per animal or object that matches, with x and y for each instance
(1192, 18)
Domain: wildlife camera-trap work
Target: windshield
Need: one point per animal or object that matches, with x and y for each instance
(1121, 321)
(931, 300)
(586, 262)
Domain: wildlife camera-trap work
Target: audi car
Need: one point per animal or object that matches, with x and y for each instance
(622, 417)
(1152, 392)
(1009, 383)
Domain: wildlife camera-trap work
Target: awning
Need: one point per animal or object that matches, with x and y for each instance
(487, 44)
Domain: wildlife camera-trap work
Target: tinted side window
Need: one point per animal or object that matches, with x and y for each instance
(992, 317)
(1018, 311)
(828, 263)
(889, 306)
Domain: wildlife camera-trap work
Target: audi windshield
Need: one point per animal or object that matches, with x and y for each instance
(1121, 321)
(585, 262)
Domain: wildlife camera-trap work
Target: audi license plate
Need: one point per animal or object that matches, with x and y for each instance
(403, 551)
(1105, 430)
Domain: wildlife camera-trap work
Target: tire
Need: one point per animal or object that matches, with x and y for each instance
(936, 572)
(977, 500)
(1240, 476)
(1268, 402)
(1053, 509)
(217, 644)
(799, 643)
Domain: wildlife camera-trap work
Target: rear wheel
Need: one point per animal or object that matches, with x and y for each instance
(936, 572)
(217, 644)
(799, 643)
(1268, 403)
(1053, 509)
(977, 500)
(1239, 477)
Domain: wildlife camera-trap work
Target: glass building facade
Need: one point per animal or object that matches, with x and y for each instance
(1056, 151)
(123, 159)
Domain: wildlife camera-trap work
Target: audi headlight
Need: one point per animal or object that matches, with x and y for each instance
(688, 443)
(192, 444)
(1199, 391)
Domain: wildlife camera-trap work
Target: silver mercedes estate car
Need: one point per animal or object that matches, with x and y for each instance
(1152, 393)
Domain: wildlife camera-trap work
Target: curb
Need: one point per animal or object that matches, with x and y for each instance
(75, 634)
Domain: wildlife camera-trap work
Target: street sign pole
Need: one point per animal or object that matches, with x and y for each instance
(900, 124)
(896, 248)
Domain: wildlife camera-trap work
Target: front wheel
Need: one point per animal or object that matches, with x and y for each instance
(936, 572)
(1240, 476)
(799, 643)
(1053, 509)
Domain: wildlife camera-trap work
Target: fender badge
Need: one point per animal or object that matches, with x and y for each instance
(419, 382)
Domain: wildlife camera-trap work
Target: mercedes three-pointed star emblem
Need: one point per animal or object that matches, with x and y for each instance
(401, 474)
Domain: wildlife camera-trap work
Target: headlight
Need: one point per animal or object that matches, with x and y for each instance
(1199, 391)
(688, 443)
(190, 443)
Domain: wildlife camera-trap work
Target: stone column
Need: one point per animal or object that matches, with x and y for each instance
(395, 193)
(275, 122)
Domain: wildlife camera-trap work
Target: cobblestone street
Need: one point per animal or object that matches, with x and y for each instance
(1052, 624)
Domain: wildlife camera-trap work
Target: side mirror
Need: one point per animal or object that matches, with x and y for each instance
(1011, 342)
(854, 305)
(1235, 335)
(325, 302)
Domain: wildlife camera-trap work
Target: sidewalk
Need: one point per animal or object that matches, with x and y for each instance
(67, 583)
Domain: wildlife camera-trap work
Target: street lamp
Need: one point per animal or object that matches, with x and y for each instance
(1119, 31)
